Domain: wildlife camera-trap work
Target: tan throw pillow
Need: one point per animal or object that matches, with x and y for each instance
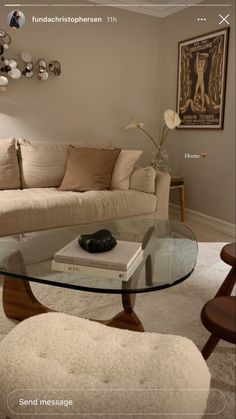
(123, 168)
(143, 179)
(43, 164)
(89, 169)
(9, 168)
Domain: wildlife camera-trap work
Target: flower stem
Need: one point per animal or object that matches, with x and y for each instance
(164, 135)
(149, 136)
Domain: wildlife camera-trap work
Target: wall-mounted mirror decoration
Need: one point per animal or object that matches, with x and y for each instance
(10, 67)
(42, 72)
(26, 57)
(3, 83)
(55, 67)
(5, 39)
(15, 73)
(28, 70)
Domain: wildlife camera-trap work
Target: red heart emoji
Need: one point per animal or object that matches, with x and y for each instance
(204, 155)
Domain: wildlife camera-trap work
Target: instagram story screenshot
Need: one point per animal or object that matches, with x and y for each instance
(117, 209)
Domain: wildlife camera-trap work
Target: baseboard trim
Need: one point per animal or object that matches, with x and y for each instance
(215, 223)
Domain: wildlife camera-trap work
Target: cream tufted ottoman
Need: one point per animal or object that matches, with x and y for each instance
(61, 364)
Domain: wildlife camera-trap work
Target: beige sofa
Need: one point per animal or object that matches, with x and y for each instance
(30, 174)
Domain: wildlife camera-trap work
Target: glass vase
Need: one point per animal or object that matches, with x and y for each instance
(161, 160)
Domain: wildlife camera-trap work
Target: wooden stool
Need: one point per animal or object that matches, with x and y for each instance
(177, 182)
(228, 255)
(218, 316)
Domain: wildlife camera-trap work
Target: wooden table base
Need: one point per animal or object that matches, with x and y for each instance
(19, 302)
(126, 319)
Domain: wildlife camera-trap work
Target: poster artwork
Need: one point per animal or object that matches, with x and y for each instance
(201, 80)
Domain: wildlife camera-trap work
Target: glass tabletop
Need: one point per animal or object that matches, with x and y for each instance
(172, 249)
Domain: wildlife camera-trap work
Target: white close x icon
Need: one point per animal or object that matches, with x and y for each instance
(223, 19)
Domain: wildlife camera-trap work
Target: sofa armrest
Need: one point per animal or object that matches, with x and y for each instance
(162, 190)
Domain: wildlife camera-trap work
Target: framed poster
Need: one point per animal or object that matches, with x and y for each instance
(202, 67)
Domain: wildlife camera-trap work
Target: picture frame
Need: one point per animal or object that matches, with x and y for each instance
(201, 80)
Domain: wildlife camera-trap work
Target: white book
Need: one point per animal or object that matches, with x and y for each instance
(120, 258)
(95, 272)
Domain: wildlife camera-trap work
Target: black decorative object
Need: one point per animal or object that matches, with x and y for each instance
(98, 242)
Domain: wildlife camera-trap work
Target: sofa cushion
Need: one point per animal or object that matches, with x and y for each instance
(38, 209)
(9, 168)
(43, 164)
(88, 169)
(143, 179)
(123, 169)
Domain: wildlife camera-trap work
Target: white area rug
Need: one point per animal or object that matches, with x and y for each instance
(175, 311)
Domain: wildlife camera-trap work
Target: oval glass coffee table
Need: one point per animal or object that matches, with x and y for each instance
(170, 254)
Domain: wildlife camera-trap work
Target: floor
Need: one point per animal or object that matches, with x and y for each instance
(202, 232)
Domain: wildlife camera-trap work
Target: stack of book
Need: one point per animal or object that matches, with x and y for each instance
(118, 263)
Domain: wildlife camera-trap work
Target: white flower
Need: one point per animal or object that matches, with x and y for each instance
(172, 119)
(134, 124)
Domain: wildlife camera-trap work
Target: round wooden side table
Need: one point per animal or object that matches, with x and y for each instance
(219, 317)
(228, 255)
(219, 314)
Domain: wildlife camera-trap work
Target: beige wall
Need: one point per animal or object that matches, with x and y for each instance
(210, 187)
(110, 73)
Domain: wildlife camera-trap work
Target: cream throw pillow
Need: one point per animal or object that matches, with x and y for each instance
(143, 179)
(42, 164)
(123, 169)
(89, 169)
(9, 168)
